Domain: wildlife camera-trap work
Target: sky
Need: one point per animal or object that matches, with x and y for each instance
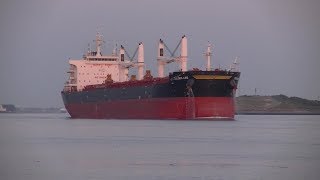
(278, 41)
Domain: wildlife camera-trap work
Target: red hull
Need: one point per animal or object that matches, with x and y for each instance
(156, 108)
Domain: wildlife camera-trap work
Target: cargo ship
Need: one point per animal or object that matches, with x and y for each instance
(99, 86)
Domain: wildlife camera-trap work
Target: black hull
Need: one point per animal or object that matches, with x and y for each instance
(182, 95)
(202, 84)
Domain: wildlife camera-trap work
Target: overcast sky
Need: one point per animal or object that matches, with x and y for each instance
(278, 41)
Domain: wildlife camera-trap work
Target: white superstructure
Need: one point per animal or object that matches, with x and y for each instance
(95, 67)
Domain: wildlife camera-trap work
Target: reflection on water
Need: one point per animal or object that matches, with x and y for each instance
(52, 146)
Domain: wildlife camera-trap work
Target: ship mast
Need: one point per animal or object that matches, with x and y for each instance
(208, 54)
(99, 42)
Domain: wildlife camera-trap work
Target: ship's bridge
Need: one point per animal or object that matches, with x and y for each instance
(96, 68)
(101, 58)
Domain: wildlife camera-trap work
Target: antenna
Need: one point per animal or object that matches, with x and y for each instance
(99, 40)
(115, 49)
(89, 48)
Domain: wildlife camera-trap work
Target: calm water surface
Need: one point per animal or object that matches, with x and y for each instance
(51, 147)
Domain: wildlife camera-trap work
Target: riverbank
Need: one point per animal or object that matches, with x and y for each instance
(277, 104)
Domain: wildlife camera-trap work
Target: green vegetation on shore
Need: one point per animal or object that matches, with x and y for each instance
(277, 104)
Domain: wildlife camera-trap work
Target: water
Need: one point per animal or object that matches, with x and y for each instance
(51, 146)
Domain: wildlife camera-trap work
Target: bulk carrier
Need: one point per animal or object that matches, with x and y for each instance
(99, 86)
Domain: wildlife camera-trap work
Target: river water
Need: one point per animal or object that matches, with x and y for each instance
(254, 147)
